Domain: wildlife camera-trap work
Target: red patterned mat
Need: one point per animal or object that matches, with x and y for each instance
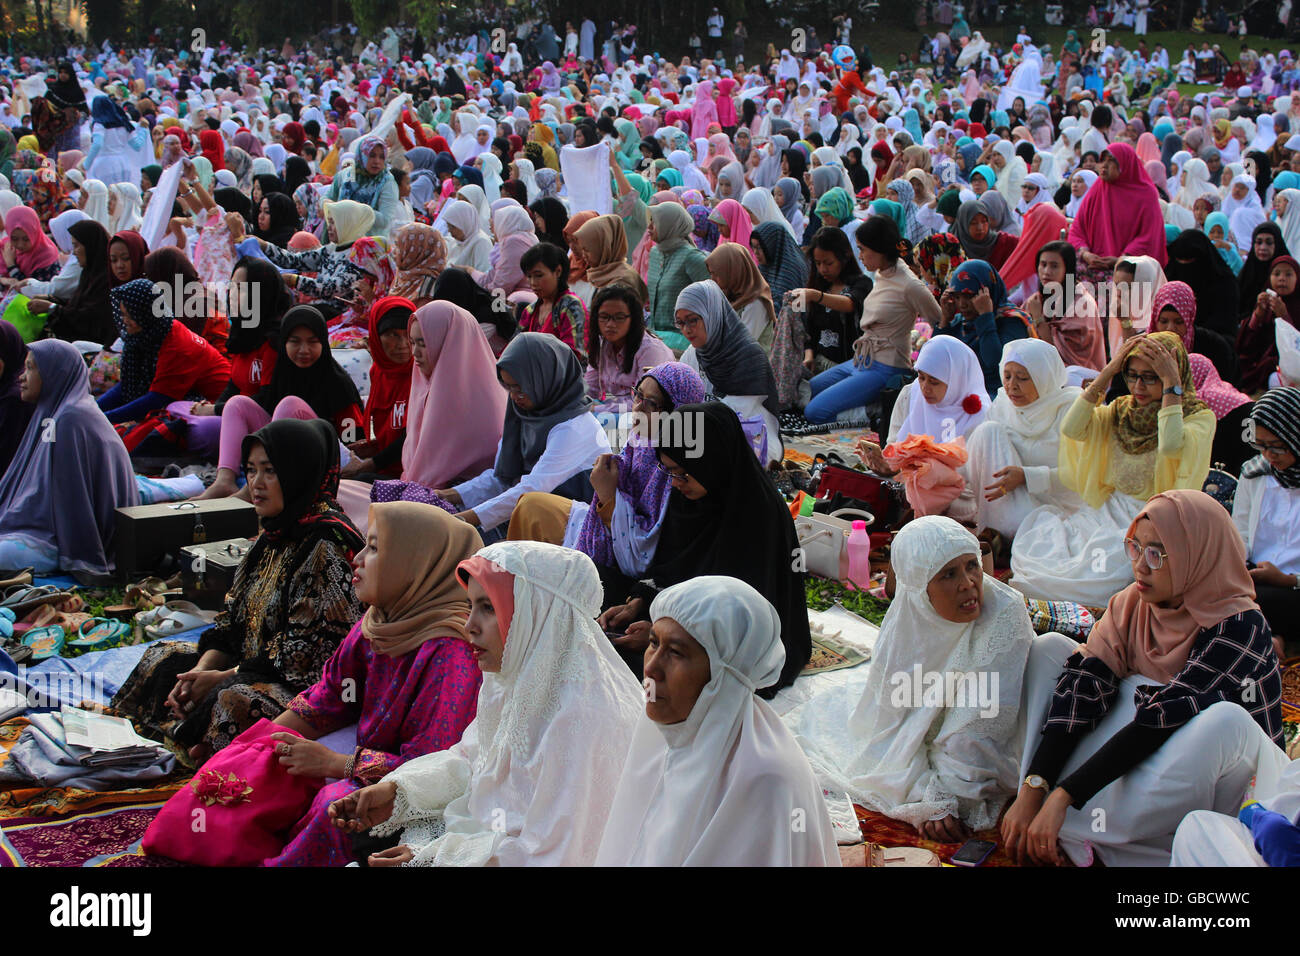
(107, 837)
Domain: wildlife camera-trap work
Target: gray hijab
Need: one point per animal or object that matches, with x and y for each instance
(824, 179)
(975, 250)
(71, 470)
(731, 360)
(551, 375)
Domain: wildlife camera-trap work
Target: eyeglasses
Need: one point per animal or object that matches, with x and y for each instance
(684, 324)
(1275, 447)
(639, 397)
(617, 319)
(674, 474)
(1153, 556)
(1146, 378)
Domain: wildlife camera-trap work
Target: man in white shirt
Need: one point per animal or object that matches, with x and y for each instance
(715, 23)
(1023, 37)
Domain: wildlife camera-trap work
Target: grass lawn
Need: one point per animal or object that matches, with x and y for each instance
(823, 594)
(887, 42)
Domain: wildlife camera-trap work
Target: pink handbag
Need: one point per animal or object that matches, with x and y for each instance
(238, 809)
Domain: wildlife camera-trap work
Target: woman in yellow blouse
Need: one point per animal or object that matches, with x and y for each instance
(1115, 456)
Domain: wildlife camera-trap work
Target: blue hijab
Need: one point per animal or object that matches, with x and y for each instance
(109, 114)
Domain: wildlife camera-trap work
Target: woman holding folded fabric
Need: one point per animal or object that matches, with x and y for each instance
(1116, 456)
(1172, 705)
(291, 605)
(405, 674)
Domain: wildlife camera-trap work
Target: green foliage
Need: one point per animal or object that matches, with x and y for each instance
(823, 594)
(372, 15)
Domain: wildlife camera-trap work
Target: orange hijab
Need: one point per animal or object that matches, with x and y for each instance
(1208, 563)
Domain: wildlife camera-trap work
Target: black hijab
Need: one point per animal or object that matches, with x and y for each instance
(88, 314)
(458, 287)
(64, 93)
(14, 412)
(741, 528)
(554, 217)
(550, 374)
(264, 298)
(284, 220)
(1211, 280)
(1254, 274)
(797, 163)
(857, 172)
(296, 172)
(269, 183)
(1263, 173)
(305, 455)
(325, 386)
(232, 200)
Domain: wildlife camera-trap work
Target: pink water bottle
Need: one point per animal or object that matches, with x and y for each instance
(859, 548)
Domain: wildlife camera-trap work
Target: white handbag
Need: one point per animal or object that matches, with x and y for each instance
(824, 540)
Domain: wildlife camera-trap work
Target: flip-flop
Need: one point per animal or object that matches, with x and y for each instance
(25, 602)
(99, 633)
(17, 594)
(45, 642)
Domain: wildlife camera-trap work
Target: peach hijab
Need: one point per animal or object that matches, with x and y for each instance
(1208, 563)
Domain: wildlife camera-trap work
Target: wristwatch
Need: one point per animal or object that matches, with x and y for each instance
(1174, 390)
(1037, 782)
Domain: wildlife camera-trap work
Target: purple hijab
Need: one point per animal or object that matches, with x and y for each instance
(14, 412)
(706, 233)
(71, 470)
(639, 476)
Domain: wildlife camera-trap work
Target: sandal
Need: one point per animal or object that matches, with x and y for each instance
(172, 619)
(16, 578)
(98, 633)
(45, 642)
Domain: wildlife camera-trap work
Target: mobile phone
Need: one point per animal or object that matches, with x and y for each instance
(615, 635)
(973, 853)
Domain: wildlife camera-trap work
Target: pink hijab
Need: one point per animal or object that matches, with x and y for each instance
(704, 111)
(736, 217)
(1122, 218)
(43, 251)
(1147, 148)
(455, 413)
(1214, 391)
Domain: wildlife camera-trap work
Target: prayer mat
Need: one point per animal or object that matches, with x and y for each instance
(878, 828)
(830, 654)
(1291, 692)
(93, 838)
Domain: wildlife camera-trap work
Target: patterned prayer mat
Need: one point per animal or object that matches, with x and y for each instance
(829, 654)
(878, 828)
(107, 837)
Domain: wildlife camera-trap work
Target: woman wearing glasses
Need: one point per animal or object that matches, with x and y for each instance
(1115, 456)
(723, 517)
(1172, 705)
(1265, 509)
(734, 367)
(619, 349)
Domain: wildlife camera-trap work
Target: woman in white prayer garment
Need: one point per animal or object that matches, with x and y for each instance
(532, 780)
(714, 778)
(934, 736)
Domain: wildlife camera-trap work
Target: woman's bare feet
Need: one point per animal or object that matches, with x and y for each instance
(224, 486)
